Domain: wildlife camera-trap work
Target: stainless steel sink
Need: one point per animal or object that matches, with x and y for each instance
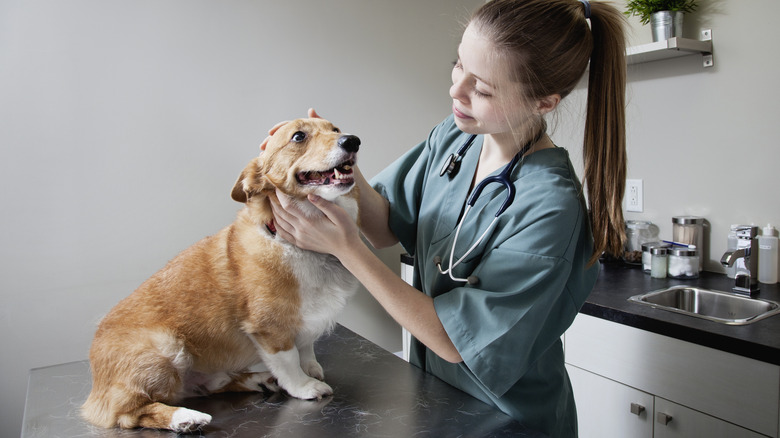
(723, 307)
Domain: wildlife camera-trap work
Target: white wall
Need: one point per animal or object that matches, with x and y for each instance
(124, 125)
(704, 140)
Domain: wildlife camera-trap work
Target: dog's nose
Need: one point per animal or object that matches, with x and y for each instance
(349, 143)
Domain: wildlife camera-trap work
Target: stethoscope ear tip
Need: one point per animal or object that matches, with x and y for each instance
(472, 280)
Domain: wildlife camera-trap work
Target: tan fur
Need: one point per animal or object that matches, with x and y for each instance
(227, 303)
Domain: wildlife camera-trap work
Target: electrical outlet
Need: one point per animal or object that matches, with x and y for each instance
(634, 195)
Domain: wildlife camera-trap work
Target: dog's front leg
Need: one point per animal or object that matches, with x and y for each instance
(286, 366)
(309, 362)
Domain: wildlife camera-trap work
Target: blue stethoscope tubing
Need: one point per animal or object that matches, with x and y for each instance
(451, 166)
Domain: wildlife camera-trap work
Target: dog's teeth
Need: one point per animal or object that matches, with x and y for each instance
(337, 174)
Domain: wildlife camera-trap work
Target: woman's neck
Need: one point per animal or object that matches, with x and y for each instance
(497, 151)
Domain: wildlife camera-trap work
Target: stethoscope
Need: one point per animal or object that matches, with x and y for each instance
(451, 168)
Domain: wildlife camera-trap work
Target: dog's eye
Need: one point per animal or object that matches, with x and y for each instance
(335, 129)
(299, 136)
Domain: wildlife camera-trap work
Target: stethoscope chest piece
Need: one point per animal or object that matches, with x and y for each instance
(452, 163)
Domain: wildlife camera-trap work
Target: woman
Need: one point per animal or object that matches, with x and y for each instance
(497, 336)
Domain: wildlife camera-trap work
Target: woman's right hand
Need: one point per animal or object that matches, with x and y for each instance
(311, 113)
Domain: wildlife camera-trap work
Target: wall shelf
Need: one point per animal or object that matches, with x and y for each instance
(673, 48)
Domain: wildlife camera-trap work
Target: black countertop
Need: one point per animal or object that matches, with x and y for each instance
(375, 394)
(618, 281)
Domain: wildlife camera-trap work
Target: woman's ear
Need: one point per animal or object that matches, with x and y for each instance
(547, 104)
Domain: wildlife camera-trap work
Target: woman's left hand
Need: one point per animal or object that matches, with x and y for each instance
(333, 232)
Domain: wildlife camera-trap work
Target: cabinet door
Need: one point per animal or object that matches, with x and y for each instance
(736, 389)
(604, 407)
(677, 421)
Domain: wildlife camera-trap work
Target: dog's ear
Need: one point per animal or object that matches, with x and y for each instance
(250, 182)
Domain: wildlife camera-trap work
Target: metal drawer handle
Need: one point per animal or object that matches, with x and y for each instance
(637, 409)
(663, 418)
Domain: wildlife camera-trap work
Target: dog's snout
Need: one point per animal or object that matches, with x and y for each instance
(349, 143)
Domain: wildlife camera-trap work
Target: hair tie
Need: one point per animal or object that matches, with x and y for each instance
(586, 3)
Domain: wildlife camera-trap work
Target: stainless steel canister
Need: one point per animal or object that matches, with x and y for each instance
(689, 230)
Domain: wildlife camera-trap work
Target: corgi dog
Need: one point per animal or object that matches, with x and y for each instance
(233, 300)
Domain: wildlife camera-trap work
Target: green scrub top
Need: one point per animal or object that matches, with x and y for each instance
(532, 273)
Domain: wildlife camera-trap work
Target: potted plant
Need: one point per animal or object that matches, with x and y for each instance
(665, 16)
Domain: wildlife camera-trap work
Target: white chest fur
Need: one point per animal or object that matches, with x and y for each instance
(324, 284)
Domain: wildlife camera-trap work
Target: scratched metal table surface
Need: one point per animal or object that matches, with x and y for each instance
(376, 395)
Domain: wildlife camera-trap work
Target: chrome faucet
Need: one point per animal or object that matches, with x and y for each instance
(746, 280)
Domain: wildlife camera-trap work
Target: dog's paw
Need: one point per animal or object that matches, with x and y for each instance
(262, 381)
(314, 369)
(310, 390)
(187, 420)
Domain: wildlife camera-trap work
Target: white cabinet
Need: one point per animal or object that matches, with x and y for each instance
(604, 407)
(675, 421)
(705, 392)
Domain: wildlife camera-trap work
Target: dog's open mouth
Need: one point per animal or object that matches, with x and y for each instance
(339, 175)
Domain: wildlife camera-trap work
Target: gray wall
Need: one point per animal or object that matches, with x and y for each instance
(704, 140)
(124, 125)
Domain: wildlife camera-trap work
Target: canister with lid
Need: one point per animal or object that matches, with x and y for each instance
(658, 262)
(647, 257)
(689, 230)
(637, 233)
(683, 262)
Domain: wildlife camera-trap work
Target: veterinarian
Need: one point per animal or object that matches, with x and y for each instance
(497, 337)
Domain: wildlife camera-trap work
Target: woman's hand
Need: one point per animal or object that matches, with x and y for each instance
(333, 232)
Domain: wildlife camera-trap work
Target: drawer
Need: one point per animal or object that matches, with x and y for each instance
(734, 388)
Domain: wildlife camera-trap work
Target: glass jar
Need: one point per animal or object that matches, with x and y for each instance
(637, 233)
(658, 262)
(689, 230)
(646, 256)
(683, 262)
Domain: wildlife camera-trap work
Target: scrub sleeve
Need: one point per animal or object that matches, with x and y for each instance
(532, 273)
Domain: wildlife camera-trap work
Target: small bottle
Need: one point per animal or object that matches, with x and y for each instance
(767, 256)
(658, 262)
